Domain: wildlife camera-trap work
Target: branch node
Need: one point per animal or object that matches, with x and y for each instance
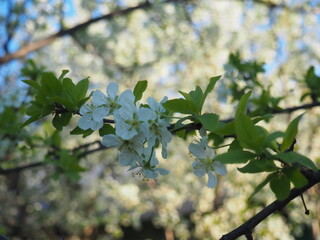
(248, 235)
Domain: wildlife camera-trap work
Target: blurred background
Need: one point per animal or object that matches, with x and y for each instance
(175, 45)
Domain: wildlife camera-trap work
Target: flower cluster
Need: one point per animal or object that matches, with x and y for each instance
(137, 130)
(205, 163)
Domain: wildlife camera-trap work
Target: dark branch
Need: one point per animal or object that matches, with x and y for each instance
(18, 169)
(189, 127)
(247, 227)
(33, 46)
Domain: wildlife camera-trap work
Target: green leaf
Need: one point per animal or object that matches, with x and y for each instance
(235, 156)
(294, 157)
(296, 177)
(290, 134)
(138, 90)
(259, 165)
(32, 83)
(212, 83)
(30, 120)
(209, 121)
(61, 120)
(226, 129)
(79, 131)
(247, 133)
(106, 129)
(270, 177)
(50, 85)
(181, 133)
(197, 96)
(82, 88)
(35, 109)
(69, 105)
(242, 105)
(64, 72)
(270, 140)
(235, 145)
(180, 105)
(76, 131)
(280, 185)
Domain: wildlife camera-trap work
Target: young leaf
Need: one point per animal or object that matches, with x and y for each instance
(226, 129)
(82, 88)
(32, 83)
(138, 90)
(50, 85)
(259, 165)
(270, 142)
(30, 120)
(180, 105)
(242, 106)
(280, 185)
(290, 134)
(235, 156)
(212, 83)
(209, 121)
(296, 177)
(61, 120)
(64, 72)
(247, 133)
(294, 157)
(196, 96)
(79, 131)
(106, 129)
(65, 102)
(270, 177)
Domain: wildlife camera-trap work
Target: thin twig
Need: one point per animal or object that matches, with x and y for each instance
(314, 178)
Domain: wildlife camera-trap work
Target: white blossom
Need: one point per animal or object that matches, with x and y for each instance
(86, 120)
(130, 150)
(105, 105)
(205, 163)
(158, 127)
(148, 163)
(129, 120)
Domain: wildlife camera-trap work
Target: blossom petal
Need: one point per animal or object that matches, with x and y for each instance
(100, 113)
(197, 150)
(112, 90)
(127, 157)
(126, 97)
(162, 171)
(150, 174)
(146, 114)
(86, 108)
(212, 180)
(84, 122)
(95, 125)
(154, 161)
(198, 169)
(98, 98)
(219, 168)
(125, 131)
(164, 152)
(111, 140)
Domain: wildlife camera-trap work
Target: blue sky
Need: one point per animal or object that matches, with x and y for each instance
(70, 11)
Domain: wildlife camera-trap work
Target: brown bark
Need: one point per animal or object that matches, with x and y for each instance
(36, 45)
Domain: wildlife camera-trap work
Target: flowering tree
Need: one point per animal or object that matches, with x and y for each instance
(137, 129)
(145, 129)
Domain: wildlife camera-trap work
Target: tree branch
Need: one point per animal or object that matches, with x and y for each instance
(18, 169)
(247, 227)
(33, 46)
(188, 127)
